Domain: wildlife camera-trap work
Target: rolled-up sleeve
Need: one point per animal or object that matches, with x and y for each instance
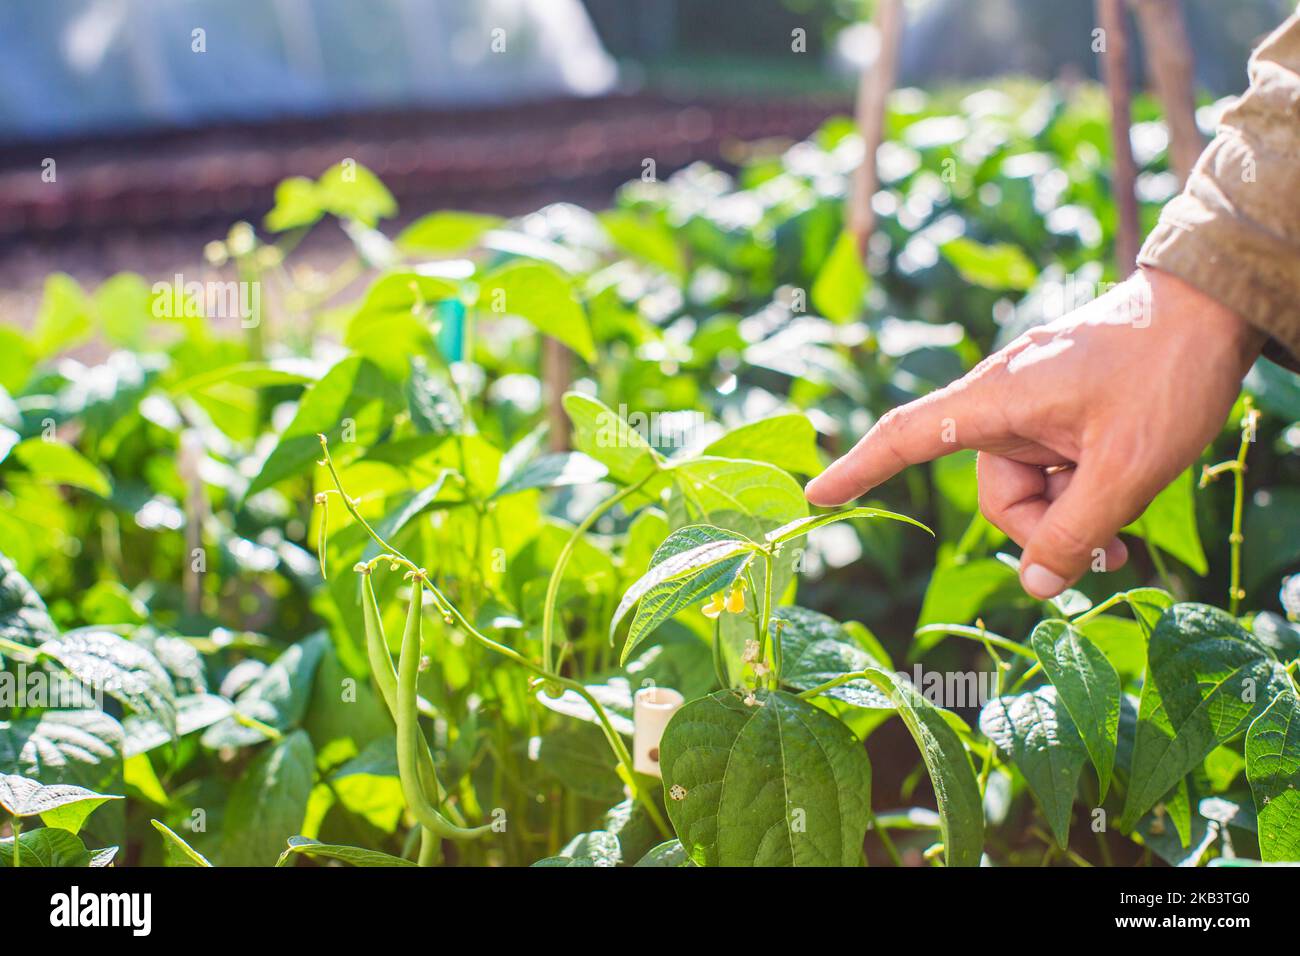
(1234, 231)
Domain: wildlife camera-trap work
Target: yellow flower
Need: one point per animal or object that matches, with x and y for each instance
(733, 603)
(715, 606)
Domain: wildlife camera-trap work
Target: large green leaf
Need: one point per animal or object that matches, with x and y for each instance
(353, 399)
(540, 293)
(48, 847)
(603, 434)
(787, 441)
(775, 783)
(1088, 686)
(816, 649)
(61, 805)
(1207, 679)
(268, 803)
(691, 565)
(961, 809)
(1042, 741)
(1273, 769)
(62, 464)
(81, 747)
(108, 662)
(23, 617)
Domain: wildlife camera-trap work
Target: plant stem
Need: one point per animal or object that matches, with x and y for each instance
(885, 840)
(557, 574)
(766, 618)
(976, 634)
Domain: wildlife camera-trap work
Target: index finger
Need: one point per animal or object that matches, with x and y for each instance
(907, 435)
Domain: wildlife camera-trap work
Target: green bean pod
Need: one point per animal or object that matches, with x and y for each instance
(381, 666)
(409, 737)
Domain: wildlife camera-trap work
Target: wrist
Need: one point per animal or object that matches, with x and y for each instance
(1175, 301)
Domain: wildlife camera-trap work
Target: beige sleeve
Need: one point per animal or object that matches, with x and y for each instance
(1234, 231)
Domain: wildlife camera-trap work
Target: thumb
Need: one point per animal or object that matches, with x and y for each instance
(1073, 533)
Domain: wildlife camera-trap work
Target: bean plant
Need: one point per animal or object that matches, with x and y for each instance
(383, 568)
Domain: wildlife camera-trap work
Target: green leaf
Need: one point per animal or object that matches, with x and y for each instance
(647, 238)
(58, 805)
(961, 809)
(544, 296)
(1089, 689)
(1273, 769)
(578, 756)
(445, 233)
(1041, 739)
(352, 855)
(958, 592)
(23, 617)
(816, 649)
(1207, 679)
(841, 283)
(556, 470)
(1169, 523)
(433, 403)
(82, 747)
(780, 783)
(296, 204)
(393, 322)
(48, 847)
(63, 319)
(602, 433)
(787, 441)
(278, 696)
(351, 388)
(692, 564)
(269, 802)
(194, 712)
(802, 526)
(176, 851)
(350, 191)
(107, 662)
(60, 463)
(997, 266)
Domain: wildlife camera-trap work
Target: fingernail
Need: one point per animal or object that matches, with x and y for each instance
(1042, 583)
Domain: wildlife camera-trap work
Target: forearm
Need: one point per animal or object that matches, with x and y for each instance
(1234, 232)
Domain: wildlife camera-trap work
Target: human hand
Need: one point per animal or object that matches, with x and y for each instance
(1079, 423)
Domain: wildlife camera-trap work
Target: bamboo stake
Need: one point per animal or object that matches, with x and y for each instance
(873, 94)
(1169, 70)
(1114, 69)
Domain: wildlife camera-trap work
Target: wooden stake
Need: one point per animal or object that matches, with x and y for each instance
(1114, 70)
(557, 372)
(1169, 70)
(873, 94)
